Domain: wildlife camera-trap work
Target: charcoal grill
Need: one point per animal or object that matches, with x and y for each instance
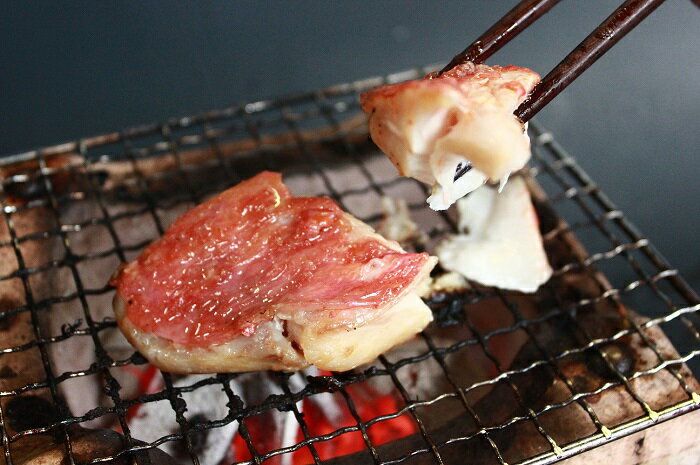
(82, 194)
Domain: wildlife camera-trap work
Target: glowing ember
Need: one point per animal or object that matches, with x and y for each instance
(272, 430)
(322, 420)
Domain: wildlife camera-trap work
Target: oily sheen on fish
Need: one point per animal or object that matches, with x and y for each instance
(255, 278)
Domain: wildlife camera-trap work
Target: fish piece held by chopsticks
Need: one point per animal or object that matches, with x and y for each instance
(501, 244)
(455, 131)
(255, 278)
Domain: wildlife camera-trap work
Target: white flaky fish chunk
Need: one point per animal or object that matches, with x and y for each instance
(501, 244)
(461, 119)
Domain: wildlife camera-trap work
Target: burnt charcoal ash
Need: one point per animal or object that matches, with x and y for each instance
(7, 320)
(25, 190)
(448, 310)
(198, 440)
(30, 412)
(324, 383)
(612, 360)
(154, 420)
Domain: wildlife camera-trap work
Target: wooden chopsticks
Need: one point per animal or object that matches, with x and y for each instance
(608, 33)
(509, 26)
(602, 39)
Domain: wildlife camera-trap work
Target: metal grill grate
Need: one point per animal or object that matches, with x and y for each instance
(68, 212)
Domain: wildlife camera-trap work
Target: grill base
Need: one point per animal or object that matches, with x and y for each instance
(508, 372)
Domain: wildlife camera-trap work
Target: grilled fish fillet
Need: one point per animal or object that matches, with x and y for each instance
(257, 279)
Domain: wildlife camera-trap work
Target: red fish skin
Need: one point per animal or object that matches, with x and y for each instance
(254, 252)
(460, 78)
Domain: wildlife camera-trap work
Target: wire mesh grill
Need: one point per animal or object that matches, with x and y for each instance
(68, 218)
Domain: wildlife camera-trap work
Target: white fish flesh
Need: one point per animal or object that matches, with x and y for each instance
(500, 244)
(462, 119)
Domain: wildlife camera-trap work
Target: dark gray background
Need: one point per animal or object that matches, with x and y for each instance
(73, 69)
